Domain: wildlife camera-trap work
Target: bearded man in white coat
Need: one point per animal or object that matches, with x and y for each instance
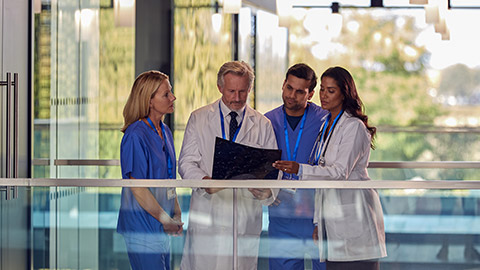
(209, 240)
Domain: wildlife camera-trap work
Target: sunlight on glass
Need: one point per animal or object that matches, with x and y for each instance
(84, 20)
(452, 101)
(400, 22)
(73, 213)
(232, 6)
(245, 22)
(410, 51)
(472, 121)
(319, 52)
(433, 76)
(322, 51)
(432, 14)
(279, 48)
(124, 11)
(284, 11)
(342, 2)
(353, 26)
(217, 22)
(432, 92)
(127, 3)
(299, 13)
(388, 41)
(87, 16)
(312, 20)
(451, 122)
(441, 27)
(335, 24)
(293, 38)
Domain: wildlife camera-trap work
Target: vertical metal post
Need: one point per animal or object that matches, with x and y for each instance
(235, 33)
(235, 230)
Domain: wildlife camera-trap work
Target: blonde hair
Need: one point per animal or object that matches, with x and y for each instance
(143, 90)
(239, 68)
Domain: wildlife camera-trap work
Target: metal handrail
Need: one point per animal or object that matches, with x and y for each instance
(86, 162)
(247, 183)
(372, 165)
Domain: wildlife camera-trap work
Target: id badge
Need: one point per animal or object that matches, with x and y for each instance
(171, 194)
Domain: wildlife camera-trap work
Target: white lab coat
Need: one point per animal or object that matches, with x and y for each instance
(209, 239)
(352, 218)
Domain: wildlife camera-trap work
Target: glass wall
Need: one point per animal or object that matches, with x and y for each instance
(424, 228)
(272, 61)
(421, 93)
(83, 71)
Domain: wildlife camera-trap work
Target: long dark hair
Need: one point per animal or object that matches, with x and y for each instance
(352, 102)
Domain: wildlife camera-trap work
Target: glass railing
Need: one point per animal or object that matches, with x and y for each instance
(74, 224)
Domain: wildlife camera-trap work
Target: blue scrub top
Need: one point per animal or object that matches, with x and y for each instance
(143, 155)
(301, 203)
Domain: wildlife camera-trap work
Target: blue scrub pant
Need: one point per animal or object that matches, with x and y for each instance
(148, 251)
(289, 241)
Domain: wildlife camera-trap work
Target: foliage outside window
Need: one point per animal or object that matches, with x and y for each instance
(199, 52)
(394, 79)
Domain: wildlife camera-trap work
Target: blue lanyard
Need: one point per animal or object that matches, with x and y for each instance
(325, 124)
(169, 160)
(287, 142)
(223, 124)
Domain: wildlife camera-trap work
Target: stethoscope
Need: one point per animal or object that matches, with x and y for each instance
(317, 156)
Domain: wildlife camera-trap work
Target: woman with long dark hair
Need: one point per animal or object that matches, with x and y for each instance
(350, 228)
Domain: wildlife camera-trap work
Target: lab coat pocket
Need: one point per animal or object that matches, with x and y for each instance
(348, 222)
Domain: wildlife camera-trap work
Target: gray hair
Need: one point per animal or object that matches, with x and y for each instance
(239, 68)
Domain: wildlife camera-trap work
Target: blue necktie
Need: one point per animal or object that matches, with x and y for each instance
(233, 124)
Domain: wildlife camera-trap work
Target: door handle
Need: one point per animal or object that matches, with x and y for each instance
(15, 132)
(8, 138)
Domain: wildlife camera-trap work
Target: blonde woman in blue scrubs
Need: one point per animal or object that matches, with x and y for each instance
(349, 222)
(148, 215)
